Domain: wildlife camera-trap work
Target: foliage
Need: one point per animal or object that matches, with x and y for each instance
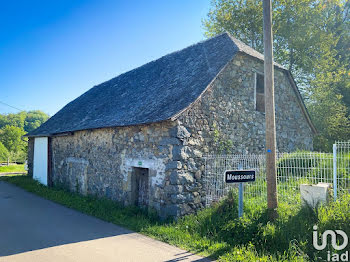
(330, 105)
(27, 121)
(303, 164)
(299, 163)
(311, 39)
(11, 138)
(12, 168)
(221, 145)
(4, 153)
(12, 129)
(34, 119)
(217, 231)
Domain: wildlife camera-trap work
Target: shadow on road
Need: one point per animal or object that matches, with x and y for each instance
(28, 222)
(185, 255)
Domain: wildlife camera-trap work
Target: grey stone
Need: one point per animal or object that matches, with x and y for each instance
(179, 153)
(182, 132)
(197, 153)
(172, 210)
(173, 165)
(169, 141)
(198, 174)
(177, 178)
(173, 189)
(178, 198)
(193, 188)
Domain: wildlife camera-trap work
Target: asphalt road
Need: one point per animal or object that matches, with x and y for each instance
(35, 229)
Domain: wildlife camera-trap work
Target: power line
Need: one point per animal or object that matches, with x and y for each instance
(11, 106)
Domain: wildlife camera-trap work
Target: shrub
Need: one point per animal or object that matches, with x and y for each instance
(298, 164)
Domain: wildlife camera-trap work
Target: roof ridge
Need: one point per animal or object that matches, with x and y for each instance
(167, 55)
(245, 48)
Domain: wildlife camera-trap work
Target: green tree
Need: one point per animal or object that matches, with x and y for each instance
(12, 138)
(34, 119)
(16, 119)
(12, 129)
(312, 40)
(27, 121)
(4, 153)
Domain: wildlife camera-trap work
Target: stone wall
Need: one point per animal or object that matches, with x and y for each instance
(30, 156)
(102, 162)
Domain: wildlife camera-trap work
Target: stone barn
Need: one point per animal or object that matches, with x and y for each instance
(139, 138)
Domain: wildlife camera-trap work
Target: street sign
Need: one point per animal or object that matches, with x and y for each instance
(239, 176)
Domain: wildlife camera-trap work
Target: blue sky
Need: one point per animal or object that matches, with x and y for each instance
(53, 51)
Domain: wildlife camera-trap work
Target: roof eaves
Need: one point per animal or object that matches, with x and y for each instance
(301, 101)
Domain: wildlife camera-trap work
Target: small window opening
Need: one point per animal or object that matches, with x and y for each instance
(259, 93)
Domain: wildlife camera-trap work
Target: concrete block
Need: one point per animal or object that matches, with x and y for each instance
(313, 195)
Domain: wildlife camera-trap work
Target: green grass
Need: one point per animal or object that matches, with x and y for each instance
(12, 168)
(217, 231)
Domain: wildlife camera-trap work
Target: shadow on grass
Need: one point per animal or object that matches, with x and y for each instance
(220, 223)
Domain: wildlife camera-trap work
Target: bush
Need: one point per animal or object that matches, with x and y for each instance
(299, 164)
(343, 167)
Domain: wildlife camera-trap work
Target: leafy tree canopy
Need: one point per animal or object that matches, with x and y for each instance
(11, 138)
(27, 121)
(12, 129)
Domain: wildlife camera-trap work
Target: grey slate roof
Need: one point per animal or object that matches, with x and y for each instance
(151, 93)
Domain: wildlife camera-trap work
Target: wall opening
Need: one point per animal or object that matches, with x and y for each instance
(259, 93)
(140, 187)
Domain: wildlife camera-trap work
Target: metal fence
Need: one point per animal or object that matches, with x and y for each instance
(341, 167)
(293, 169)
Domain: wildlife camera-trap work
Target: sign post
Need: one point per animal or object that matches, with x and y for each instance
(240, 176)
(240, 200)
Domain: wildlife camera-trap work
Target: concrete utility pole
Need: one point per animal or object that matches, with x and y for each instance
(270, 112)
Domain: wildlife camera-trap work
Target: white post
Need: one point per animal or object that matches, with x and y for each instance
(335, 171)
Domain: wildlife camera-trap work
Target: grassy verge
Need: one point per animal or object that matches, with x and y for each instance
(12, 168)
(217, 231)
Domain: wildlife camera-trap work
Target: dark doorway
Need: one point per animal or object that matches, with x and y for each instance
(140, 188)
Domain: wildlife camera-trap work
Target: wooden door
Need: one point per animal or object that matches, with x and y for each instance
(142, 187)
